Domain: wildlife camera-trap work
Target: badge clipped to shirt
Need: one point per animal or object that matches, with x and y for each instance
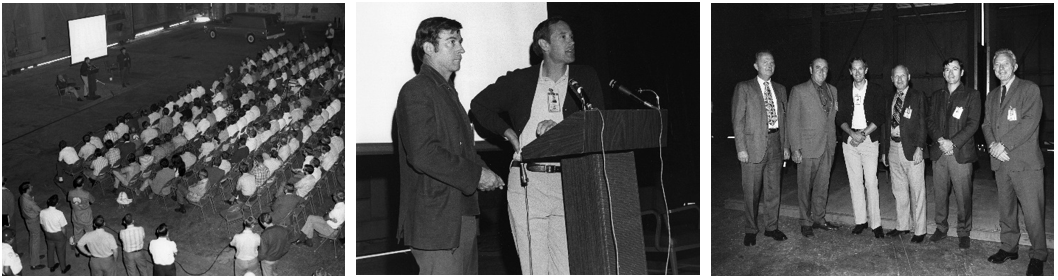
(907, 113)
(1012, 114)
(958, 113)
(553, 105)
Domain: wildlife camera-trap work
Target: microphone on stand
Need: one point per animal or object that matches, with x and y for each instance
(625, 91)
(577, 91)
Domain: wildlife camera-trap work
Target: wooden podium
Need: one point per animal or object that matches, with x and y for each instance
(601, 196)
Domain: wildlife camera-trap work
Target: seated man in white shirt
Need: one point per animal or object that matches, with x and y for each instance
(245, 187)
(314, 224)
(68, 159)
(308, 182)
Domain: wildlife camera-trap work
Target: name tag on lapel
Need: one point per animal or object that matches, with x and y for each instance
(958, 113)
(907, 113)
(1012, 114)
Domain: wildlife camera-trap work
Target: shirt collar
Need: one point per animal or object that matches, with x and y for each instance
(428, 71)
(1011, 82)
(762, 81)
(565, 75)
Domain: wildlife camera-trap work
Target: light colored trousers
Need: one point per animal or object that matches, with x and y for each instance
(539, 225)
(905, 173)
(861, 162)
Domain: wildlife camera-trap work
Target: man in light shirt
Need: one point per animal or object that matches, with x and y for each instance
(246, 244)
(862, 110)
(136, 259)
(247, 185)
(326, 227)
(163, 252)
(12, 262)
(54, 223)
(99, 245)
(307, 183)
(68, 159)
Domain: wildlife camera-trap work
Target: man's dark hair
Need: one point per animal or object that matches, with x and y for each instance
(62, 143)
(543, 31)
(164, 163)
(24, 187)
(162, 230)
(428, 31)
(53, 200)
(79, 181)
(98, 222)
(265, 218)
(247, 223)
(127, 220)
(950, 60)
(854, 59)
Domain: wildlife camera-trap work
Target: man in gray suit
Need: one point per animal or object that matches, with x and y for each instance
(1012, 129)
(758, 109)
(813, 106)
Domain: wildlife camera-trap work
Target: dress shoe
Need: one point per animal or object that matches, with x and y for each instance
(66, 269)
(807, 231)
(750, 239)
(37, 267)
(1002, 256)
(964, 242)
(918, 238)
(825, 226)
(775, 234)
(54, 267)
(878, 232)
(859, 228)
(896, 232)
(1035, 267)
(938, 236)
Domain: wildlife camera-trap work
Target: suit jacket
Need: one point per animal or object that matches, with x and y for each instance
(512, 96)
(751, 119)
(875, 109)
(942, 122)
(439, 169)
(913, 129)
(1019, 136)
(810, 129)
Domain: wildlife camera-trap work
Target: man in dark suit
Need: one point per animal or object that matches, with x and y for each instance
(861, 115)
(902, 150)
(1011, 128)
(440, 173)
(810, 124)
(952, 123)
(759, 116)
(535, 99)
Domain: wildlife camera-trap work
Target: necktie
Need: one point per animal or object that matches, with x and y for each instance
(896, 110)
(824, 99)
(1002, 94)
(769, 105)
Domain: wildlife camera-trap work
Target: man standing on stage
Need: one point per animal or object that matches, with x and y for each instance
(1012, 129)
(903, 152)
(954, 119)
(861, 113)
(440, 172)
(813, 107)
(536, 99)
(124, 67)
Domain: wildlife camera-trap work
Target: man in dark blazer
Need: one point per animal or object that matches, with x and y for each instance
(536, 99)
(1011, 127)
(440, 173)
(759, 117)
(902, 150)
(810, 124)
(861, 114)
(954, 119)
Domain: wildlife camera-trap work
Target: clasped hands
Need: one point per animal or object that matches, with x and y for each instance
(489, 180)
(857, 139)
(998, 151)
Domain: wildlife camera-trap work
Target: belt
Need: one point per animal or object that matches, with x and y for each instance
(773, 130)
(536, 167)
(137, 251)
(895, 138)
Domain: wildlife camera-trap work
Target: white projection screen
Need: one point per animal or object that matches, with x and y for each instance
(496, 37)
(88, 38)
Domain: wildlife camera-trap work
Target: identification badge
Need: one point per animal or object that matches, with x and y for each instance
(907, 113)
(958, 113)
(553, 105)
(1012, 115)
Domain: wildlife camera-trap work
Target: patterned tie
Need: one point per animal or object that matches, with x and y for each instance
(1002, 94)
(896, 110)
(769, 104)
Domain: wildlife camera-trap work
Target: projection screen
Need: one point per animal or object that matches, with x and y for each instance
(88, 38)
(496, 37)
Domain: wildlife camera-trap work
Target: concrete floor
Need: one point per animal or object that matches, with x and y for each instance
(35, 119)
(727, 191)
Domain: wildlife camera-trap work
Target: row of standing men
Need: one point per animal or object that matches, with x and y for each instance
(898, 129)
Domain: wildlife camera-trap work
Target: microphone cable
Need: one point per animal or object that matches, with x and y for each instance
(181, 265)
(664, 196)
(606, 177)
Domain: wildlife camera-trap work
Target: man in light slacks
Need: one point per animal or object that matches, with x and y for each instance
(906, 130)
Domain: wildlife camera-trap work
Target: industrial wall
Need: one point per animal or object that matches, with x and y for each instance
(288, 11)
(920, 37)
(35, 33)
